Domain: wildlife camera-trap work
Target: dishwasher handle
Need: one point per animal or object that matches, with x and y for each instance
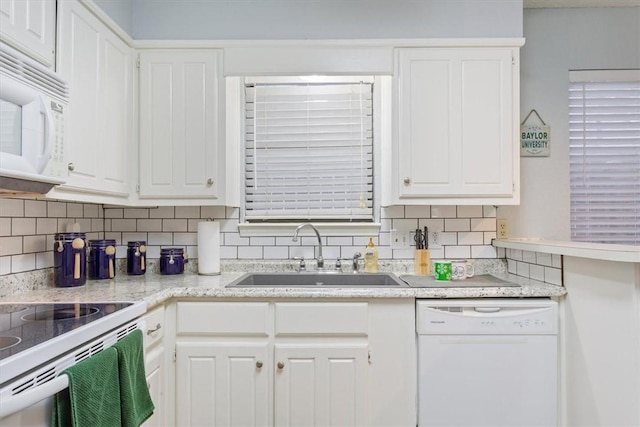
(487, 309)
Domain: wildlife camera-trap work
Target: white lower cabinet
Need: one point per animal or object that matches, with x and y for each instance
(155, 364)
(222, 384)
(269, 363)
(322, 384)
(155, 371)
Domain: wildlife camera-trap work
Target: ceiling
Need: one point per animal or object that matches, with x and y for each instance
(534, 4)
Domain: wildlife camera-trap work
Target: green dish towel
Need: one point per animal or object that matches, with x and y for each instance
(135, 402)
(93, 396)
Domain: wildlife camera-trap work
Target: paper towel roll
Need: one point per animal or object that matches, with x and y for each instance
(208, 248)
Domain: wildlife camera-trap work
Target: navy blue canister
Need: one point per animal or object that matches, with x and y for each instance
(136, 257)
(172, 261)
(102, 259)
(70, 259)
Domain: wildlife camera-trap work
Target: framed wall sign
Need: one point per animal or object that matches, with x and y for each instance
(534, 137)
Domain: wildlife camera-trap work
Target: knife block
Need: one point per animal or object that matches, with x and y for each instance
(422, 262)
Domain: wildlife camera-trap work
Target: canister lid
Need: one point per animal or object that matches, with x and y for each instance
(70, 236)
(171, 251)
(102, 242)
(136, 243)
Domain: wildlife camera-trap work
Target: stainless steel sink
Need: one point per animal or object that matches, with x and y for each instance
(317, 280)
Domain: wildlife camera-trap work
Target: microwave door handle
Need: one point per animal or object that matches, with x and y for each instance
(49, 135)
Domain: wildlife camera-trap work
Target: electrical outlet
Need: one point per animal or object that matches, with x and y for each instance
(503, 228)
(434, 240)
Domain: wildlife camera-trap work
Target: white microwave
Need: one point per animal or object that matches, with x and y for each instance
(33, 100)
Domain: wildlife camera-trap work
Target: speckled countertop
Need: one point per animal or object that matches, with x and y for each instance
(156, 289)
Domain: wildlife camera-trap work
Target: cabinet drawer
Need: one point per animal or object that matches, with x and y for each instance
(223, 318)
(321, 318)
(154, 329)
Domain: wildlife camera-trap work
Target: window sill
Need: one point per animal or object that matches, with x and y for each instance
(325, 229)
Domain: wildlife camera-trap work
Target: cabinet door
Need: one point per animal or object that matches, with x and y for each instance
(180, 130)
(222, 384)
(30, 25)
(97, 65)
(155, 370)
(321, 384)
(456, 133)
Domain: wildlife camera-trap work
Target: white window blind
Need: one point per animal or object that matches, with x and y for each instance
(604, 154)
(308, 151)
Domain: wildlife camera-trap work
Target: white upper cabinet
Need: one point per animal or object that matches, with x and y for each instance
(181, 125)
(98, 66)
(455, 139)
(30, 26)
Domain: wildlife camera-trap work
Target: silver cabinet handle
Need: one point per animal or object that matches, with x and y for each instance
(259, 364)
(210, 182)
(71, 166)
(280, 365)
(157, 328)
(407, 180)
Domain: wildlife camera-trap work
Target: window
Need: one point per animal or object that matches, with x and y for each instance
(604, 154)
(308, 153)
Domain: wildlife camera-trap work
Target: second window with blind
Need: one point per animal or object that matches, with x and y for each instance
(308, 152)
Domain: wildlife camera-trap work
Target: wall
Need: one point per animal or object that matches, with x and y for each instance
(324, 19)
(121, 11)
(27, 229)
(559, 40)
(468, 231)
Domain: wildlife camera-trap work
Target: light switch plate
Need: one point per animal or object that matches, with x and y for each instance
(401, 239)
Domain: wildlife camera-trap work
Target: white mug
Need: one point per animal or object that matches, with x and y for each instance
(461, 269)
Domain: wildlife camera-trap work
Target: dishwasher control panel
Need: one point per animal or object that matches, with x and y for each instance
(487, 317)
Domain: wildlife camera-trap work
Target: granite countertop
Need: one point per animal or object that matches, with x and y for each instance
(156, 289)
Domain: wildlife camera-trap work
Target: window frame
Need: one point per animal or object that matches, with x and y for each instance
(583, 230)
(382, 134)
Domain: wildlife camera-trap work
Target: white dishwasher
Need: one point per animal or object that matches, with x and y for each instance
(487, 362)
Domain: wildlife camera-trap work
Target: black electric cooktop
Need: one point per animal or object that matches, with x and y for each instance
(31, 334)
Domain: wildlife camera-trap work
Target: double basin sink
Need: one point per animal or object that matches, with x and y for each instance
(317, 280)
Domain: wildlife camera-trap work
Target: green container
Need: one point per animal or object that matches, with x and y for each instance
(442, 270)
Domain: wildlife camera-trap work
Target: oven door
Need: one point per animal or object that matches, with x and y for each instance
(38, 414)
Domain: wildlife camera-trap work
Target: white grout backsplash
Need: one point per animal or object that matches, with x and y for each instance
(27, 229)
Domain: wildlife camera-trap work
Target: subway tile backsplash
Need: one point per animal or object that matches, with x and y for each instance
(27, 228)
(539, 266)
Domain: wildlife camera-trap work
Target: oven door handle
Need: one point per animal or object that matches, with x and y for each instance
(12, 404)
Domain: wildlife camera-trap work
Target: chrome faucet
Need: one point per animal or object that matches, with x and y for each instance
(319, 259)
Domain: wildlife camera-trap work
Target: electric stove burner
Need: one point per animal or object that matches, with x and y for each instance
(61, 313)
(6, 342)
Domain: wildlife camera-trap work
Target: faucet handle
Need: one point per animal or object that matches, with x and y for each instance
(339, 263)
(355, 258)
(303, 265)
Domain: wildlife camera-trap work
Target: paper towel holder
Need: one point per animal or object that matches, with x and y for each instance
(212, 267)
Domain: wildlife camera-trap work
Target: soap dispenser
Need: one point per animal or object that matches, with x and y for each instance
(370, 258)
